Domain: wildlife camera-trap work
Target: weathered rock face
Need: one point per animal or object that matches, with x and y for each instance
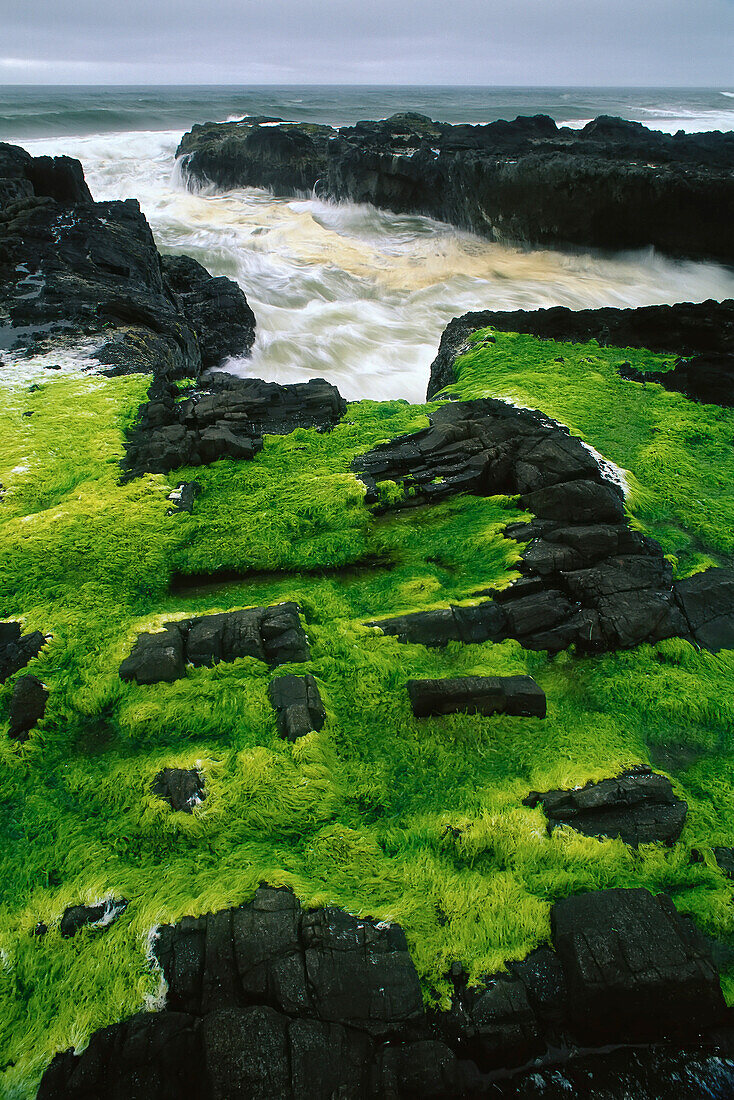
(589, 580)
(99, 916)
(701, 331)
(637, 806)
(515, 695)
(17, 649)
(225, 417)
(27, 706)
(706, 378)
(92, 270)
(271, 634)
(267, 1000)
(297, 704)
(707, 600)
(182, 788)
(612, 184)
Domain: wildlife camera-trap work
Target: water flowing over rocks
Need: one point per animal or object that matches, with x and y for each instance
(224, 417)
(297, 704)
(613, 184)
(73, 269)
(637, 806)
(516, 695)
(271, 634)
(589, 580)
(270, 1000)
(182, 788)
(701, 333)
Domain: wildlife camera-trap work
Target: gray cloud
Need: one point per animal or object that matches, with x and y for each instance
(638, 42)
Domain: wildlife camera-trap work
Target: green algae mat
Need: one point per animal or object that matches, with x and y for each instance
(415, 821)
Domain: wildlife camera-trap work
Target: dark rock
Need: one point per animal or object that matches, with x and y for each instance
(708, 378)
(725, 859)
(27, 706)
(101, 916)
(517, 695)
(687, 329)
(225, 417)
(636, 970)
(58, 178)
(271, 634)
(637, 806)
(297, 704)
(183, 496)
(216, 309)
(606, 185)
(17, 649)
(707, 600)
(182, 789)
(542, 976)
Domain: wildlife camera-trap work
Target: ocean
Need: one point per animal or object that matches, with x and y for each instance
(342, 291)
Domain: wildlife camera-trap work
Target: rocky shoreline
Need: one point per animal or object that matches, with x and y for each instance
(271, 999)
(613, 184)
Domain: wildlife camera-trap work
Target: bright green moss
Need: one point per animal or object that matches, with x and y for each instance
(420, 822)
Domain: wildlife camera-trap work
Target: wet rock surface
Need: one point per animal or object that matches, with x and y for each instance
(269, 1000)
(702, 333)
(72, 269)
(297, 704)
(637, 806)
(27, 706)
(514, 695)
(589, 580)
(612, 184)
(271, 634)
(100, 916)
(705, 378)
(17, 648)
(182, 788)
(224, 417)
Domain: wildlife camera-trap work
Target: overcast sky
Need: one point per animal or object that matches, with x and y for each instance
(530, 42)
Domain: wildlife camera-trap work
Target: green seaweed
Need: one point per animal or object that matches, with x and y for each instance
(416, 821)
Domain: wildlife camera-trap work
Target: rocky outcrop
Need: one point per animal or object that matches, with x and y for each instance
(705, 378)
(707, 600)
(17, 649)
(224, 417)
(515, 695)
(72, 269)
(589, 580)
(27, 706)
(297, 704)
(637, 806)
(182, 788)
(92, 916)
(702, 333)
(271, 634)
(269, 1000)
(613, 184)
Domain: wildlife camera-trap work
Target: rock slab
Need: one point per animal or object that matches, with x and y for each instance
(488, 695)
(297, 704)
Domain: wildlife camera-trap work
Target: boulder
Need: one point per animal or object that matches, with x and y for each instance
(708, 377)
(216, 309)
(725, 859)
(27, 706)
(515, 695)
(707, 601)
(182, 788)
(98, 916)
(17, 649)
(183, 496)
(271, 634)
(637, 806)
(297, 704)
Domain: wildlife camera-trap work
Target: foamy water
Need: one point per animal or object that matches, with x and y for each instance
(353, 294)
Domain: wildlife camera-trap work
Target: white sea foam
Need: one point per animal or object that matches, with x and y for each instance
(353, 294)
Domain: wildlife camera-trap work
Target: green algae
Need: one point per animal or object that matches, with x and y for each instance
(416, 821)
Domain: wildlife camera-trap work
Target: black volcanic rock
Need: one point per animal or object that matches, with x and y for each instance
(100, 916)
(216, 309)
(637, 806)
(708, 378)
(269, 1000)
(589, 580)
(27, 706)
(612, 184)
(707, 600)
(725, 859)
(225, 417)
(297, 704)
(271, 634)
(57, 178)
(17, 649)
(182, 788)
(516, 695)
(704, 330)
